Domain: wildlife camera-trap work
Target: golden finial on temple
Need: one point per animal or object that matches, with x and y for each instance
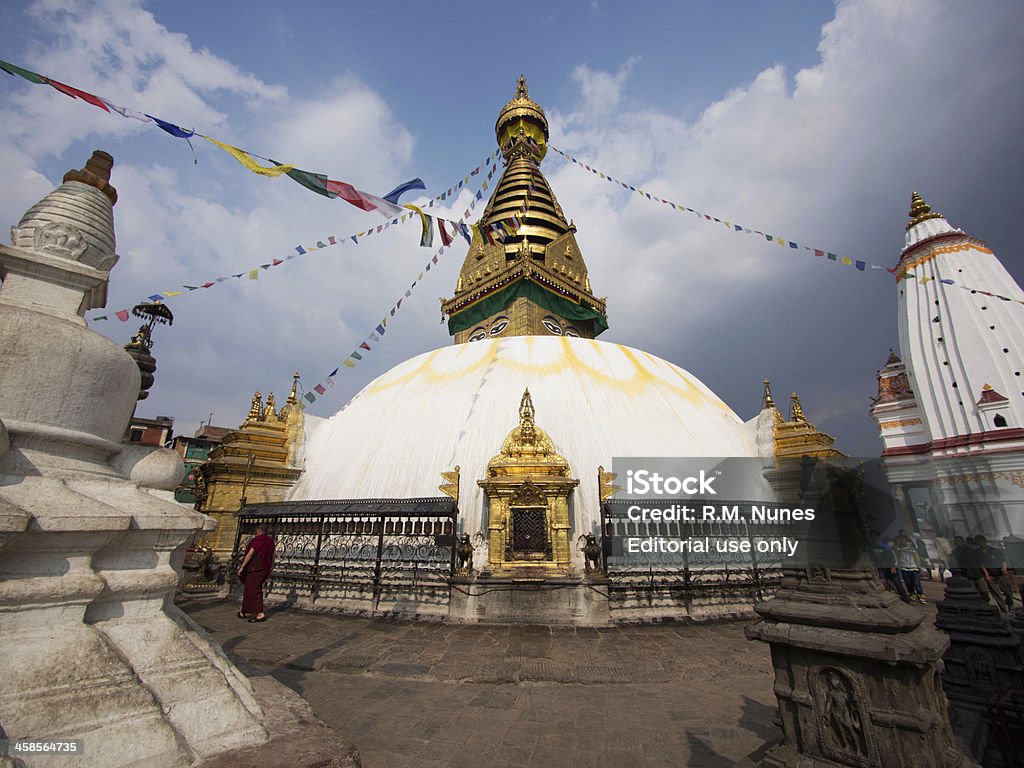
(920, 210)
(293, 397)
(796, 411)
(766, 399)
(526, 408)
(271, 408)
(256, 407)
(521, 92)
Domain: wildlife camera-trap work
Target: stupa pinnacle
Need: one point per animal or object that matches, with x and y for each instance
(530, 279)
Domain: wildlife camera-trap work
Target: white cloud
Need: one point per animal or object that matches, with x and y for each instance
(916, 95)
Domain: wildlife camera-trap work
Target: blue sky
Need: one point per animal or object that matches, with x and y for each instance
(807, 119)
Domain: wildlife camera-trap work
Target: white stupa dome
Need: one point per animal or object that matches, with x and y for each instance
(455, 405)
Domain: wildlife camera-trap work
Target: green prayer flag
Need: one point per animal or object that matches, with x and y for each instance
(315, 182)
(32, 77)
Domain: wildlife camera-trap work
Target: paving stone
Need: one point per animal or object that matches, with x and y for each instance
(430, 694)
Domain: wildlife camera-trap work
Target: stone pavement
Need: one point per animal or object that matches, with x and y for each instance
(430, 695)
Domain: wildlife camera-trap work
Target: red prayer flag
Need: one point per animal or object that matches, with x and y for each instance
(122, 315)
(77, 94)
(365, 346)
(319, 389)
(350, 194)
(446, 239)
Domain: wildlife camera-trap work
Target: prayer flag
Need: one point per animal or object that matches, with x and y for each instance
(125, 112)
(380, 329)
(427, 224)
(122, 315)
(446, 239)
(397, 192)
(74, 93)
(365, 346)
(244, 158)
(314, 182)
(171, 128)
(319, 389)
(356, 355)
(818, 252)
(32, 77)
(860, 265)
(156, 297)
(254, 274)
(349, 363)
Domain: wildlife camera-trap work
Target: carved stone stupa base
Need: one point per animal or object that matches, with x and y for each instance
(856, 676)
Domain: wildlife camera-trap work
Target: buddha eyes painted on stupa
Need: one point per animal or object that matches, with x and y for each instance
(552, 325)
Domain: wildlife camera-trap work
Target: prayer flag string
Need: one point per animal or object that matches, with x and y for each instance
(252, 273)
(315, 182)
(900, 273)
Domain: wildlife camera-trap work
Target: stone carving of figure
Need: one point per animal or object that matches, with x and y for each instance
(843, 725)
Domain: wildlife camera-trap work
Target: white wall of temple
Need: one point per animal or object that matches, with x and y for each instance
(455, 406)
(978, 339)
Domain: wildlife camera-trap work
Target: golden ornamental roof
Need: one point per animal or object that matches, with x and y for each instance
(920, 210)
(522, 110)
(528, 445)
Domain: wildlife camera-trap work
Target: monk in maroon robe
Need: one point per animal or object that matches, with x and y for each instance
(254, 570)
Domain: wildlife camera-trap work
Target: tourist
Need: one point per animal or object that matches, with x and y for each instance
(909, 565)
(254, 570)
(884, 558)
(997, 576)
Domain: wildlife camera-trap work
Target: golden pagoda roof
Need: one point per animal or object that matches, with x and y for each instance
(522, 114)
(920, 210)
(535, 240)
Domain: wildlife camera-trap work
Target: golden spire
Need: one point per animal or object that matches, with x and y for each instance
(256, 407)
(526, 423)
(293, 398)
(796, 411)
(271, 409)
(523, 235)
(766, 400)
(920, 210)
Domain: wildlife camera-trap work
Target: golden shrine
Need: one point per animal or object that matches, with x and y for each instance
(528, 486)
(260, 461)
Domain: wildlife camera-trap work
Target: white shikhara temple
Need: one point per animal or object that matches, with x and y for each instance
(950, 406)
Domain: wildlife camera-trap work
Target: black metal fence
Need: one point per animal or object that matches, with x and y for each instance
(361, 550)
(683, 572)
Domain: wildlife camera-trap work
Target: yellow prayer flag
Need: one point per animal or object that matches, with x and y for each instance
(272, 171)
(169, 294)
(254, 274)
(349, 362)
(847, 260)
(780, 241)
(924, 280)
